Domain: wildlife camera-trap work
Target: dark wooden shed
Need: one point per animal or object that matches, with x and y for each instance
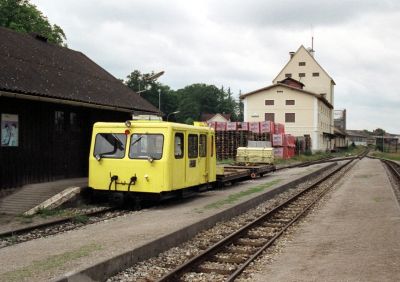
(50, 96)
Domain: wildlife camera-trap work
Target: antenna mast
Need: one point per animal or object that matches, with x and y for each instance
(312, 43)
(312, 38)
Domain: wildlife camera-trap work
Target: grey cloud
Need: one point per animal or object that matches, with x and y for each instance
(298, 14)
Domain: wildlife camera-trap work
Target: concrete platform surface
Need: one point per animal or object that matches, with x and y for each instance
(47, 258)
(353, 236)
(32, 195)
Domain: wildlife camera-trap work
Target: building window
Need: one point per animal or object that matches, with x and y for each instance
(270, 116)
(315, 74)
(302, 64)
(290, 102)
(59, 121)
(74, 122)
(290, 117)
(279, 91)
(302, 74)
(269, 102)
(288, 75)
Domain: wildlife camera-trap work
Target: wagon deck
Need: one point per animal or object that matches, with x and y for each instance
(237, 172)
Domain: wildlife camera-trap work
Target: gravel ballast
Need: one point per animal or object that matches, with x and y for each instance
(51, 257)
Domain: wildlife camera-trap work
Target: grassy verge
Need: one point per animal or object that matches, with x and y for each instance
(350, 151)
(49, 263)
(389, 156)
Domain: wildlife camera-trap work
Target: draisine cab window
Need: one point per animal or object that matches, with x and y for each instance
(144, 146)
(110, 145)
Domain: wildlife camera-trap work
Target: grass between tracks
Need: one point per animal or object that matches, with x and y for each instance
(389, 156)
(49, 263)
(233, 198)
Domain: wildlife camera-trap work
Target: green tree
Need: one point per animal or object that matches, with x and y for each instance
(191, 101)
(197, 99)
(154, 92)
(227, 104)
(22, 16)
(240, 108)
(379, 132)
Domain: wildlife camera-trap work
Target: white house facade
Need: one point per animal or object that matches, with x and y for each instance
(301, 97)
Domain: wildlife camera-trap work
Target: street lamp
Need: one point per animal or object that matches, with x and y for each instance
(150, 78)
(173, 113)
(159, 99)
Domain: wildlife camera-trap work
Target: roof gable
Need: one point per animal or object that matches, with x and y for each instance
(292, 82)
(38, 68)
(302, 51)
(207, 117)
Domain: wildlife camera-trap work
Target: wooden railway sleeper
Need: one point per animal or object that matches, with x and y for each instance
(230, 258)
(238, 249)
(251, 242)
(224, 269)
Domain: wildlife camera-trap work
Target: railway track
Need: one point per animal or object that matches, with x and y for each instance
(215, 268)
(231, 255)
(393, 170)
(56, 226)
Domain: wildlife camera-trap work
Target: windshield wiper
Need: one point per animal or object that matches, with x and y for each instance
(137, 140)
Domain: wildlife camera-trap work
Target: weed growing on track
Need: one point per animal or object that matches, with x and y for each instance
(237, 196)
(49, 263)
(81, 218)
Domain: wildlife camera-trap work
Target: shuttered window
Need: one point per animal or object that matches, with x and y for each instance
(270, 116)
(290, 117)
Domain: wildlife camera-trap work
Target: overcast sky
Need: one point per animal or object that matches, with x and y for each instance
(244, 44)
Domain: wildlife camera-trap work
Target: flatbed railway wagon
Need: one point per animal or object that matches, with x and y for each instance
(151, 159)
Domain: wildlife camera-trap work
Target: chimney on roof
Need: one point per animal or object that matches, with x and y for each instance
(291, 54)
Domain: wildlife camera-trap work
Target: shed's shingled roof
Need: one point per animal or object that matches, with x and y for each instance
(34, 67)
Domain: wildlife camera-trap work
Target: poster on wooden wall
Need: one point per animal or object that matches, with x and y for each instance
(9, 130)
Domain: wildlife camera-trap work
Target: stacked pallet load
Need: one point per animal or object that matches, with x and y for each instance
(229, 136)
(254, 155)
(284, 144)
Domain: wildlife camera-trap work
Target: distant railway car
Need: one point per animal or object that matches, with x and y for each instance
(151, 158)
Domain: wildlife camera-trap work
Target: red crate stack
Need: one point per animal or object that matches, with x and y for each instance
(282, 142)
(254, 127)
(243, 126)
(267, 127)
(278, 140)
(231, 126)
(291, 152)
(212, 124)
(220, 126)
(279, 128)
